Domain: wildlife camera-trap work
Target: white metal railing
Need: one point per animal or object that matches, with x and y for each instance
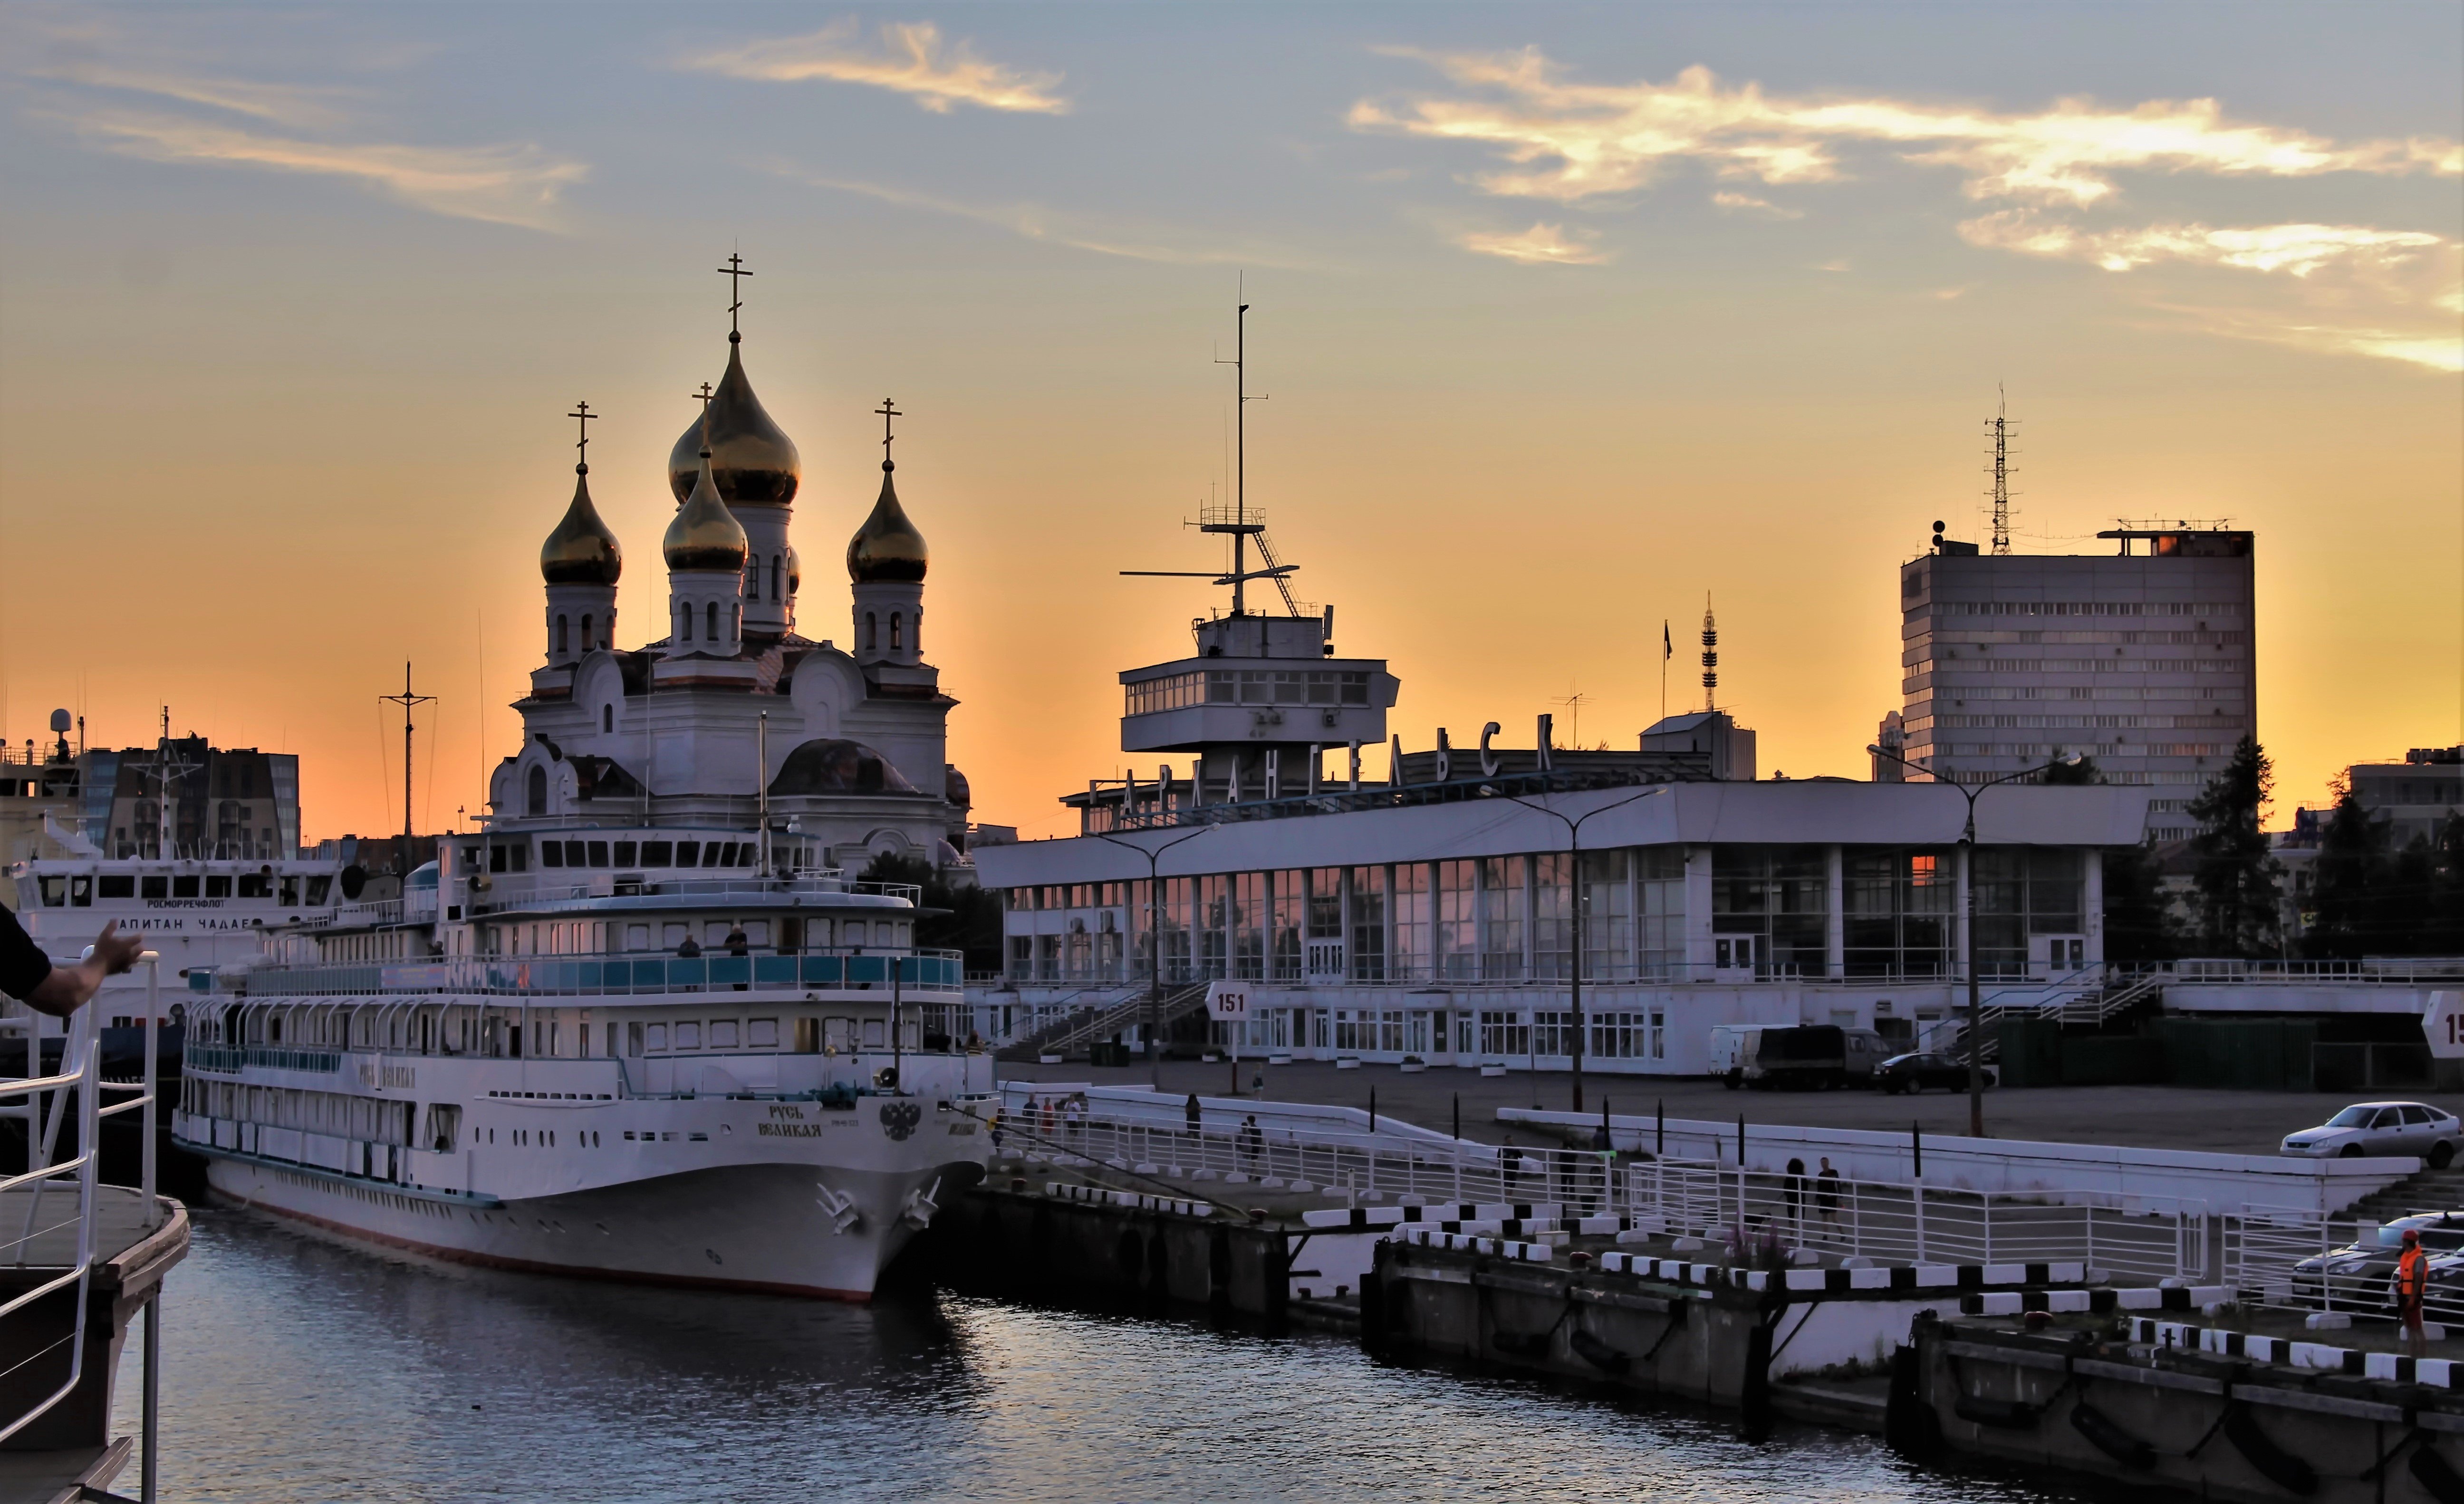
(77, 1088)
(2395, 971)
(1910, 1222)
(2141, 1238)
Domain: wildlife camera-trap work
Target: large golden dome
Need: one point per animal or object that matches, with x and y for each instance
(705, 535)
(887, 549)
(752, 461)
(583, 550)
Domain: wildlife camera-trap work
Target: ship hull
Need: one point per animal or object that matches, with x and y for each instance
(740, 1227)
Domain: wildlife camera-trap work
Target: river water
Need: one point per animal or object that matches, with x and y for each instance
(300, 1370)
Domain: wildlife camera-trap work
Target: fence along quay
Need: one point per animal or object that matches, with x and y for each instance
(1855, 1302)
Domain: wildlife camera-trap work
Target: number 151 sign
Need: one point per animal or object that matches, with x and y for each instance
(1228, 1002)
(2444, 1024)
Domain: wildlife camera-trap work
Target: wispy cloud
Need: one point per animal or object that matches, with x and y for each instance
(510, 185)
(300, 106)
(1568, 141)
(1542, 245)
(911, 60)
(1056, 227)
(2430, 346)
(1726, 199)
(2298, 249)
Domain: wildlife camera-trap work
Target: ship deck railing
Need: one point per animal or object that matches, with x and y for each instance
(60, 1248)
(917, 974)
(556, 885)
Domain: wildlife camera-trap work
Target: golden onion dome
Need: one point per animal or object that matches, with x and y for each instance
(705, 535)
(752, 460)
(583, 550)
(887, 549)
(795, 571)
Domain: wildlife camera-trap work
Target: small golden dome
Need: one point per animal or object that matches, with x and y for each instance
(752, 460)
(795, 571)
(705, 535)
(887, 549)
(583, 550)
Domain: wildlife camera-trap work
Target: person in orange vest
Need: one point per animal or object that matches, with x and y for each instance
(2411, 1287)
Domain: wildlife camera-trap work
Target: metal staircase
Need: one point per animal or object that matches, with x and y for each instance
(1078, 1030)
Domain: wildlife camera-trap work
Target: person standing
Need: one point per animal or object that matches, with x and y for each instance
(1796, 1191)
(1826, 1198)
(27, 975)
(1253, 1140)
(2411, 1291)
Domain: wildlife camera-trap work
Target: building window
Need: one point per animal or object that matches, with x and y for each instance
(684, 620)
(536, 791)
(561, 643)
(709, 621)
(774, 576)
(1501, 906)
(1458, 927)
(1368, 924)
(587, 640)
(871, 631)
(607, 718)
(897, 625)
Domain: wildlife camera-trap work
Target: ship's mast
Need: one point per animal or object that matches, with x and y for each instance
(407, 700)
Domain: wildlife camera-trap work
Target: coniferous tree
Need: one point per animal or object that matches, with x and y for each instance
(2137, 921)
(2443, 933)
(2236, 875)
(2347, 885)
(2082, 772)
(972, 922)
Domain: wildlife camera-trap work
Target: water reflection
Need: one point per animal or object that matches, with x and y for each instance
(303, 1370)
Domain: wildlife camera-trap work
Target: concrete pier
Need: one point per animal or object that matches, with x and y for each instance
(135, 1244)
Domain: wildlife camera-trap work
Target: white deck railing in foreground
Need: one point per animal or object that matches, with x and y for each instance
(45, 1102)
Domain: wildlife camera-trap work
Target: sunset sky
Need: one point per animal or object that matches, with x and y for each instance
(1565, 316)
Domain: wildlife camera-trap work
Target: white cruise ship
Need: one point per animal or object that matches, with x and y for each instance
(650, 1024)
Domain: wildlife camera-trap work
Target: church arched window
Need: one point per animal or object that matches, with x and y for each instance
(738, 626)
(871, 631)
(774, 576)
(562, 645)
(897, 620)
(684, 620)
(709, 621)
(587, 640)
(536, 792)
(607, 718)
(919, 629)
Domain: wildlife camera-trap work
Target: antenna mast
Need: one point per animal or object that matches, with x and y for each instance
(407, 700)
(1711, 656)
(2000, 427)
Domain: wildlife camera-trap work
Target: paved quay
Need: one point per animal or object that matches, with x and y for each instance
(2137, 1117)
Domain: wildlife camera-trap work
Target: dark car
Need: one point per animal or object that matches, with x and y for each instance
(1914, 1073)
(2360, 1276)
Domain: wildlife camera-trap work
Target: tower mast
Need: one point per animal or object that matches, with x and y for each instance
(2000, 428)
(407, 700)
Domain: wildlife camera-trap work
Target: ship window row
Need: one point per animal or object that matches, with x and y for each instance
(1247, 686)
(1510, 919)
(1640, 1035)
(638, 854)
(544, 1034)
(2199, 638)
(795, 934)
(368, 1119)
(78, 890)
(2042, 750)
(2193, 608)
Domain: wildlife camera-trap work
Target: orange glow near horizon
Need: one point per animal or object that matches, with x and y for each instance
(287, 364)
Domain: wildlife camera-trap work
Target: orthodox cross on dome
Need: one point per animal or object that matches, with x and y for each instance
(705, 394)
(735, 273)
(581, 444)
(887, 412)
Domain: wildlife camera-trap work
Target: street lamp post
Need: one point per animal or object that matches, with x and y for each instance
(1574, 880)
(1155, 932)
(1968, 921)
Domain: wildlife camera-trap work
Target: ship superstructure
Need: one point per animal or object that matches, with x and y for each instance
(650, 1022)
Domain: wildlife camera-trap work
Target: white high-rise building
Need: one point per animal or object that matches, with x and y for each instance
(2141, 659)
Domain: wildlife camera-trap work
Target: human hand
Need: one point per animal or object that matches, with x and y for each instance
(115, 952)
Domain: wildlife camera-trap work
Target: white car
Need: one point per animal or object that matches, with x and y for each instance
(2383, 1127)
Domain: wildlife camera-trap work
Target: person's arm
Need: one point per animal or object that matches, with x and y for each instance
(66, 989)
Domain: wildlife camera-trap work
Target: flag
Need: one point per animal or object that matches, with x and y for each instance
(1667, 648)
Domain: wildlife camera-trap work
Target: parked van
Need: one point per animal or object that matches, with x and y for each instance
(1795, 1054)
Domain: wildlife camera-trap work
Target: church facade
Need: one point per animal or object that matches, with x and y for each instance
(731, 713)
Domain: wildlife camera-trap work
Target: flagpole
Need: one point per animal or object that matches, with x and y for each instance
(1664, 651)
